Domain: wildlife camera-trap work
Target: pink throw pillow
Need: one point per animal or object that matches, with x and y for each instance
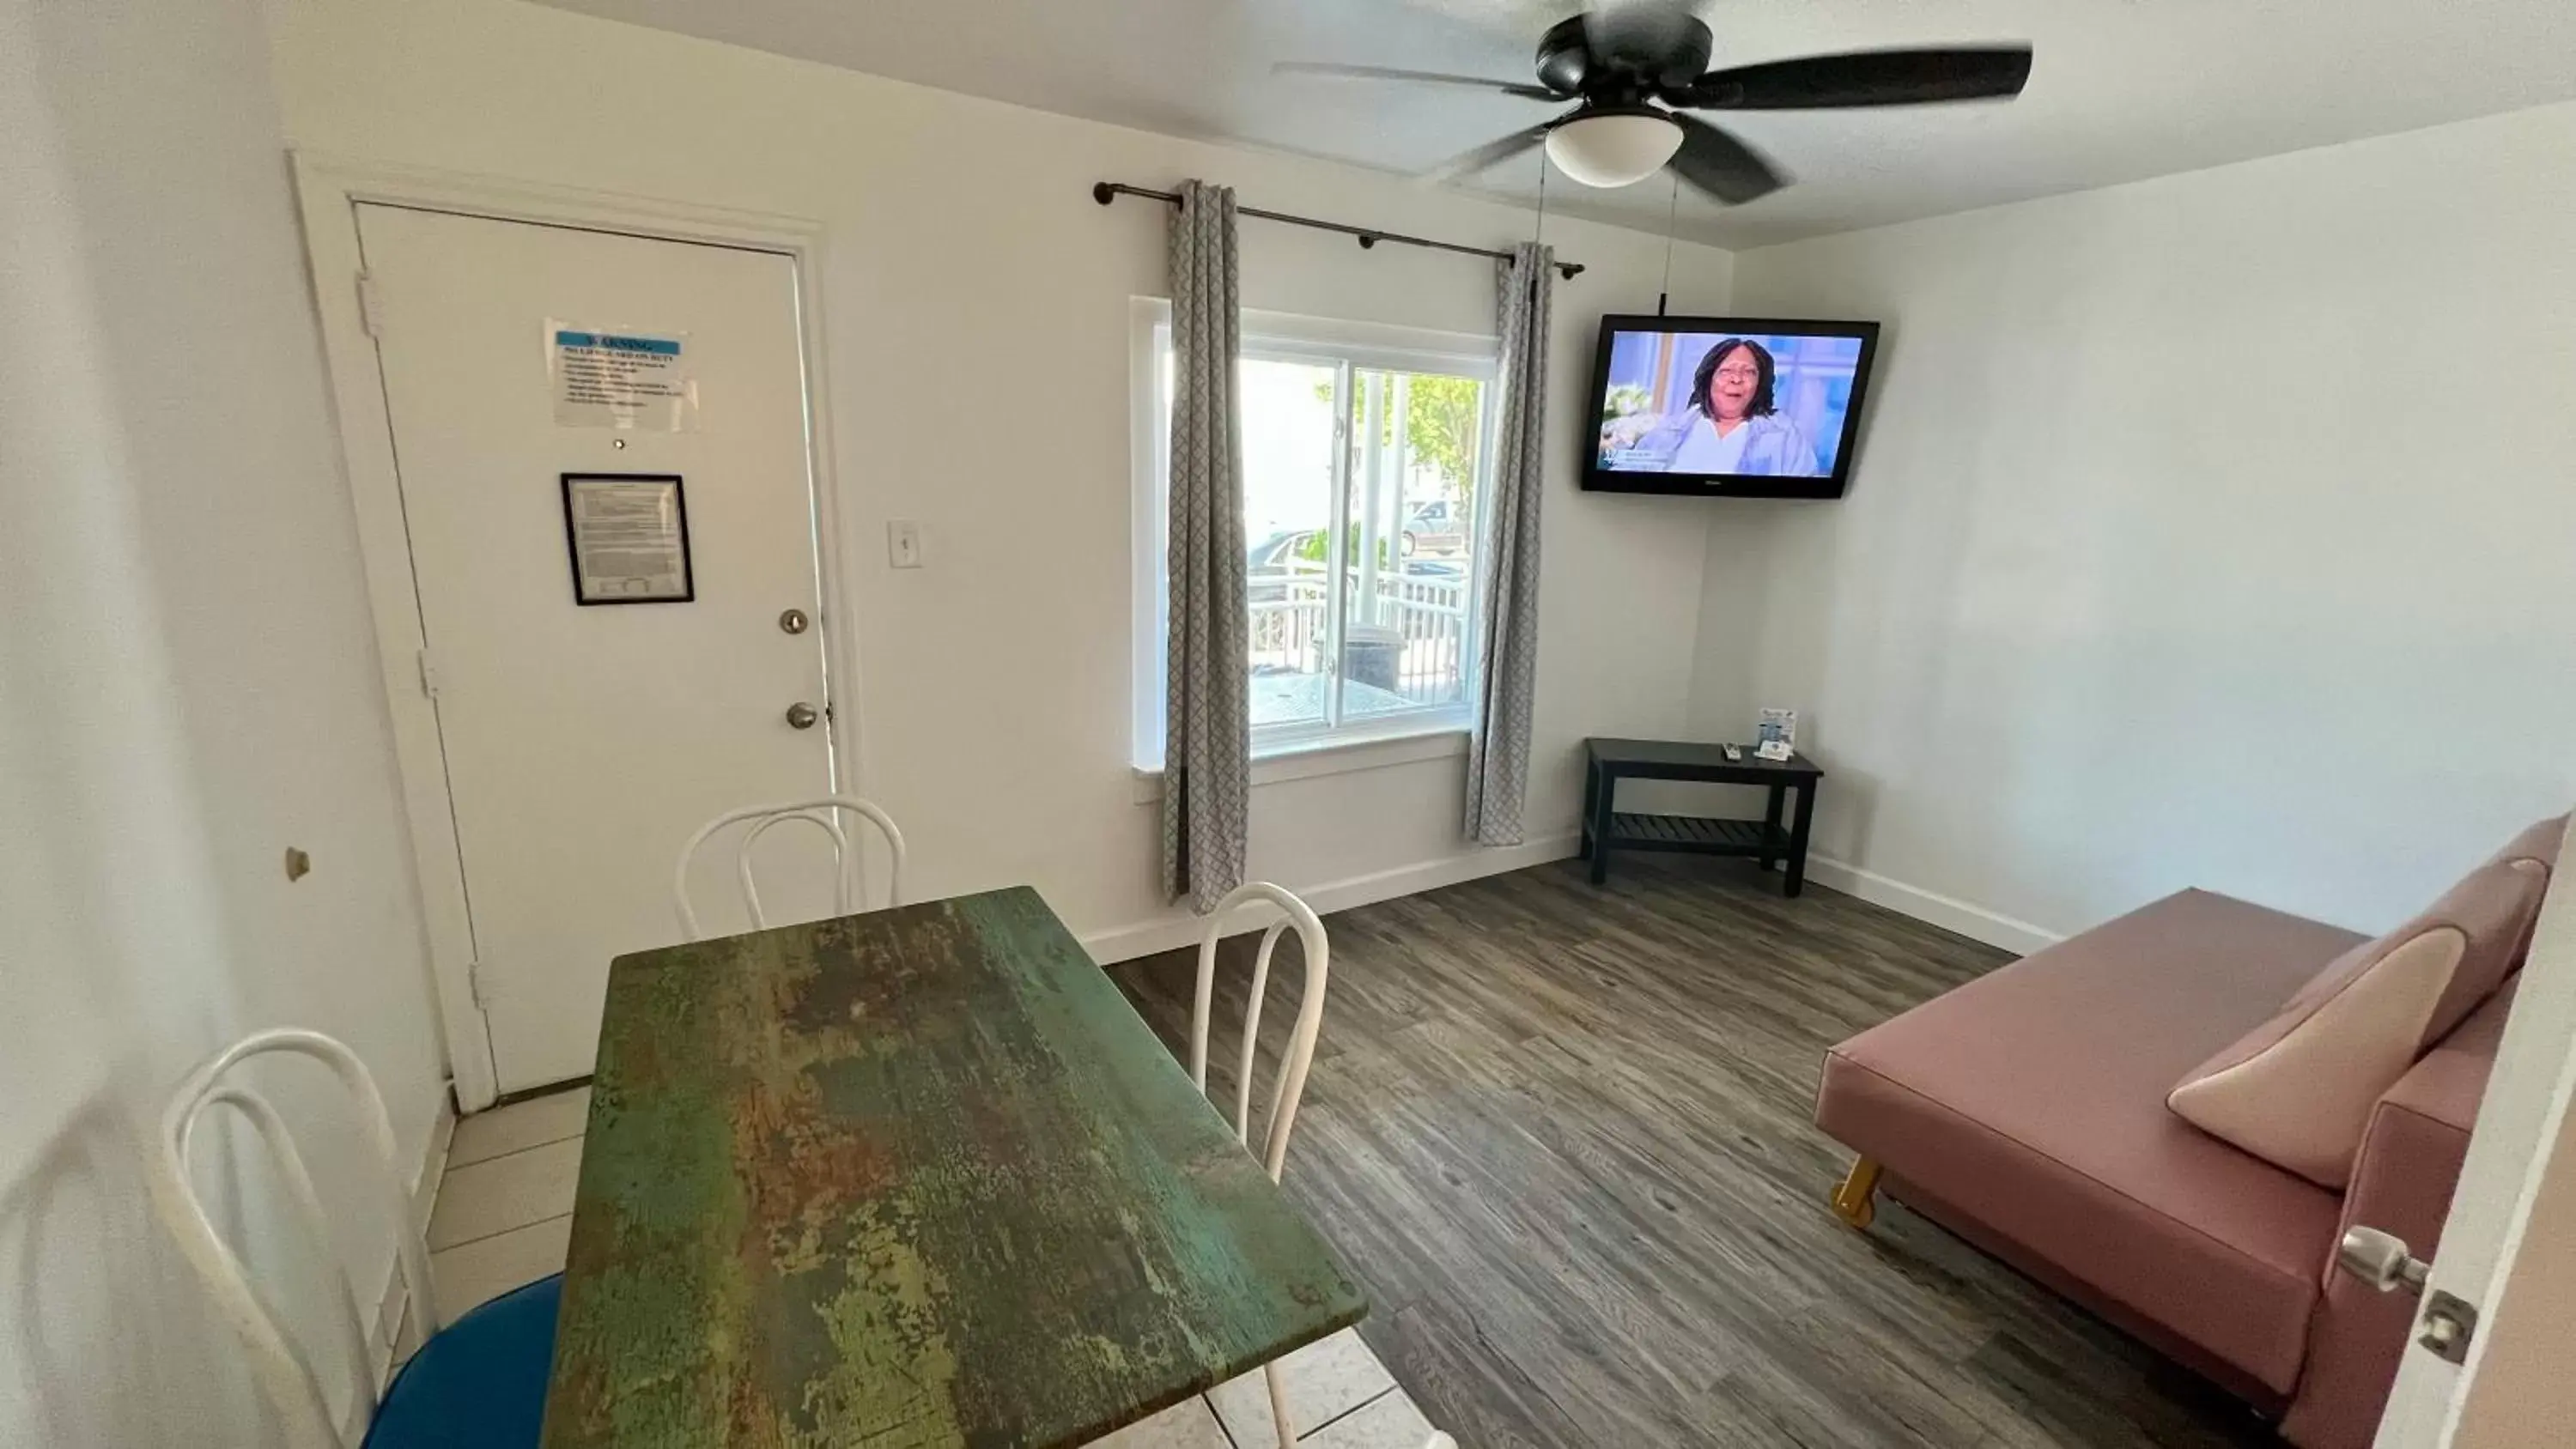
(2297, 1090)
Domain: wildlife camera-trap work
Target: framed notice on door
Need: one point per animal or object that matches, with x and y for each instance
(629, 538)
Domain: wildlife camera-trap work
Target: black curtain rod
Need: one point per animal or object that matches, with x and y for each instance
(1106, 192)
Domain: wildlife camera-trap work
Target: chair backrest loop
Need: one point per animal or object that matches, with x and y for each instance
(849, 866)
(284, 1370)
(1299, 1058)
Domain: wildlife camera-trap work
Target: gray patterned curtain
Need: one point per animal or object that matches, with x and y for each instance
(1507, 656)
(1207, 730)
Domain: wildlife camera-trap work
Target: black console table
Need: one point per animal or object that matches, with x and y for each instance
(1605, 828)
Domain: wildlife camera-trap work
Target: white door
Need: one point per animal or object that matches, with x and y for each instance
(2509, 1246)
(583, 744)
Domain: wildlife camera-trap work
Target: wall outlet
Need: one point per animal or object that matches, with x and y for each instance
(903, 544)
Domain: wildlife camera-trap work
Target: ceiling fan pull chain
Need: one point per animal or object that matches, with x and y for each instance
(1672, 211)
(1540, 234)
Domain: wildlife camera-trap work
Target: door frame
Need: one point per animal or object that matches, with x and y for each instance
(328, 192)
(2519, 1134)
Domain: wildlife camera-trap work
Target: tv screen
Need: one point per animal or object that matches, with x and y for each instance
(1744, 407)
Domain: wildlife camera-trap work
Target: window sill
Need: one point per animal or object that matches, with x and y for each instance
(1307, 759)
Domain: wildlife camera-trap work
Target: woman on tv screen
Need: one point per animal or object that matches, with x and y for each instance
(1730, 424)
(1739, 429)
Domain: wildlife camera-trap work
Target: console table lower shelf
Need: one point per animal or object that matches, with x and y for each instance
(1607, 828)
(1696, 835)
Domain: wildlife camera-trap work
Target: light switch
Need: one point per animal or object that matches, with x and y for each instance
(903, 543)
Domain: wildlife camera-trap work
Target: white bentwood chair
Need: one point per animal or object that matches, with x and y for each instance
(480, 1381)
(849, 866)
(1295, 1062)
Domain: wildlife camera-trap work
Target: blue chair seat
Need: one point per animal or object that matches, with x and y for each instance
(480, 1382)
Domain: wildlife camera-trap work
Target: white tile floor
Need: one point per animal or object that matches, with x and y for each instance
(504, 1216)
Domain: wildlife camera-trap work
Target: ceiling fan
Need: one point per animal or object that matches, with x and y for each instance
(1633, 69)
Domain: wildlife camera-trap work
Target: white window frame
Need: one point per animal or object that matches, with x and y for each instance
(1288, 337)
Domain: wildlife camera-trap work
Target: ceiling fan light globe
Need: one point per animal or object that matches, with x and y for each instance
(1616, 149)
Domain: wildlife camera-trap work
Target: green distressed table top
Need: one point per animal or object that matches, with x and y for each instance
(915, 1177)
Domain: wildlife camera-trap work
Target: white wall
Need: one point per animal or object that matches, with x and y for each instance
(2213, 530)
(187, 687)
(978, 346)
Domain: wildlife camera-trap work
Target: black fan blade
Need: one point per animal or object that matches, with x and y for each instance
(1428, 77)
(1659, 40)
(1863, 78)
(1723, 166)
(1489, 155)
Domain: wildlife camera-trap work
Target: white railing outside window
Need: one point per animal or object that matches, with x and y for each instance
(1431, 616)
(1428, 615)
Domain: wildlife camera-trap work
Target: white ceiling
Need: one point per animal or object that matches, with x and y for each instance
(2122, 89)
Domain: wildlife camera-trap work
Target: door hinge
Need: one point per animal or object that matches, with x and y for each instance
(475, 988)
(428, 675)
(371, 305)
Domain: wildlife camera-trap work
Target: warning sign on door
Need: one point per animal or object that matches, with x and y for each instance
(621, 379)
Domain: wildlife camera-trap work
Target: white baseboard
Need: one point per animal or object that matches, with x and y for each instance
(395, 1301)
(1122, 943)
(433, 1164)
(1144, 938)
(1950, 914)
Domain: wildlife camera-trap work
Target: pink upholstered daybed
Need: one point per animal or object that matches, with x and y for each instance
(2038, 1112)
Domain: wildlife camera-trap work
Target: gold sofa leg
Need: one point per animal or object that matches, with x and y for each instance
(1856, 1200)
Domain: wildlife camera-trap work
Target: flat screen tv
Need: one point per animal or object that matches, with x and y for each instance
(1731, 407)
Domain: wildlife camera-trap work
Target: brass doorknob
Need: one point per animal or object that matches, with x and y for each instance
(801, 715)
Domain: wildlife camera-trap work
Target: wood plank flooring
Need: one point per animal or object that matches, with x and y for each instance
(1562, 1135)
